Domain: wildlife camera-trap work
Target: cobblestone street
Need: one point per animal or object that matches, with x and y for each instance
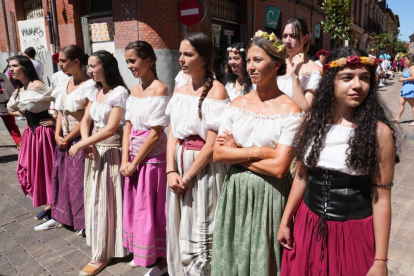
(24, 251)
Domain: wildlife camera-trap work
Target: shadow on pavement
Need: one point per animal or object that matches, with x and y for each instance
(7, 146)
(8, 158)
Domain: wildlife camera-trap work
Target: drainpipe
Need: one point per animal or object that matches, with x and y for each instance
(52, 46)
(55, 25)
(13, 33)
(6, 27)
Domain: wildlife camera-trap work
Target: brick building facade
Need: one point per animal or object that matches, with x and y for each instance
(112, 24)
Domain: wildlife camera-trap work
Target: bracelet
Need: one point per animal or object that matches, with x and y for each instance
(386, 186)
(170, 172)
(248, 156)
(380, 260)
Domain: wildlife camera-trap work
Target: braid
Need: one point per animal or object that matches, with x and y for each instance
(206, 89)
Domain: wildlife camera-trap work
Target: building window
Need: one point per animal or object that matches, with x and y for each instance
(224, 9)
(33, 9)
(98, 6)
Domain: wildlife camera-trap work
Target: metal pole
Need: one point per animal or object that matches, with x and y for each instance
(52, 46)
(6, 27)
(13, 33)
(55, 26)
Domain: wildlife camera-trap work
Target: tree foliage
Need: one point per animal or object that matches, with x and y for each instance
(388, 40)
(338, 21)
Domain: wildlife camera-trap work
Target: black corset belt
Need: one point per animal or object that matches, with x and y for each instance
(33, 119)
(337, 196)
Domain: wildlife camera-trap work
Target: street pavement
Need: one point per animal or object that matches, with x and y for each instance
(24, 251)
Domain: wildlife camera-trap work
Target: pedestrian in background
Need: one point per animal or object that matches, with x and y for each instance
(237, 82)
(35, 162)
(302, 74)
(194, 180)
(71, 98)
(255, 138)
(402, 61)
(321, 55)
(6, 91)
(407, 90)
(30, 52)
(144, 162)
(342, 190)
(104, 183)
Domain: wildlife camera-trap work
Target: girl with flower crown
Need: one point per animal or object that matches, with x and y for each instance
(255, 138)
(238, 81)
(346, 152)
(302, 74)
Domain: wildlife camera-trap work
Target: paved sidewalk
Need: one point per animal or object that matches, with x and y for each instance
(60, 252)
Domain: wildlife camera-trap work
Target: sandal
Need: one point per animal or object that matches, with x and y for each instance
(92, 268)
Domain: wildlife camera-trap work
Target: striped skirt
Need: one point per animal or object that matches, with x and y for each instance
(104, 186)
(191, 218)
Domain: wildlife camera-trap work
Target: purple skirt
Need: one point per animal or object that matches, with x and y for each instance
(144, 210)
(35, 164)
(349, 250)
(67, 192)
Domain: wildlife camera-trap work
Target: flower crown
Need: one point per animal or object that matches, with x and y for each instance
(280, 47)
(350, 60)
(235, 50)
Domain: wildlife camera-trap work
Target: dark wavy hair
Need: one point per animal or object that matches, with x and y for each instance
(144, 50)
(204, 47)
(363, 152)
(111, 72)
(231, 77)
(73, 52)
(27, 66)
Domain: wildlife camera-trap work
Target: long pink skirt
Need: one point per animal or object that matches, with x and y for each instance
(35, 164)
(349, 249)
(144, 211)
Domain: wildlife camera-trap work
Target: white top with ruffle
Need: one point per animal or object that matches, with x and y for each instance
(74, 101)
(183, 112)
(100, 112)
(308, 81)
(33, 100)
(148, 112)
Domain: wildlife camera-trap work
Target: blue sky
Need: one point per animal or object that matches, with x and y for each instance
(405, 10)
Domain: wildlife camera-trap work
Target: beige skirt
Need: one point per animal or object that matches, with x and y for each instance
(104, 187)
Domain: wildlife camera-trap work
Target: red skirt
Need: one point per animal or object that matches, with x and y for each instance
(349, 250)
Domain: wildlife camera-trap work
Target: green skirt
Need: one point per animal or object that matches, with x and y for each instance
(247, 221)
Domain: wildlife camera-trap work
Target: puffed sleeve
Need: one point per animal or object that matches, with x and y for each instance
(212, 111)
(118, 97)
(12, 103)
(157, 116)
(311, 81)
(226, 121)
(289, 126)
(128, 107)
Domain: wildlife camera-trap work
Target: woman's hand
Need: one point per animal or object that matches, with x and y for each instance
(48, 122)
(127, 168)
(285, 238)
(74, 150)
(297, 62)
(175, 183)
(60, 141)
(89, 152)
(401, 80)
(379, 268)
(123, 170)
(226, 139)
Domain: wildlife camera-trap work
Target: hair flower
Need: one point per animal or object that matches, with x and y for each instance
(341, 62)
(280, 47)
(241, 49)
(350, 60)
(229, 49)
(353, 60)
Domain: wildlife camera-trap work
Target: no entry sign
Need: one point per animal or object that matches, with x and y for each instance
(190, 12)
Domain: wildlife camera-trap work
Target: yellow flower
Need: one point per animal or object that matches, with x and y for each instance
(341, 62)
(272, 37)
(334, 64)
(281, 48)
(260, 33)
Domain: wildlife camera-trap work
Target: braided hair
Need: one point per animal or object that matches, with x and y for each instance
(204, 47)
(144, 50)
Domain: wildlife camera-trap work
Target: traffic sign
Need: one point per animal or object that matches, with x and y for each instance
(190, 12)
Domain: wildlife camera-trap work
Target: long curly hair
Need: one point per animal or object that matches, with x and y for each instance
(363, 152)
(231, 77)
(204, 47)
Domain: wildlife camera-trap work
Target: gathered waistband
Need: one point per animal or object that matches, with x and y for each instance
(113, 141)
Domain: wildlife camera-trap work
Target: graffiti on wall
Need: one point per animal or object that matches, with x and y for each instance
(32, 33)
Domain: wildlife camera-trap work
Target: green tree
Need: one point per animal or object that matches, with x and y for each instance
(387, 40)
(400, 47)
(338, 21)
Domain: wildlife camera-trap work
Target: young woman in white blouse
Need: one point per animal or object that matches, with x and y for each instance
(194, 180)
(302, 74)
(238, 81)
(71, 98)
(104, 183)
(256, 134)
(144, 148)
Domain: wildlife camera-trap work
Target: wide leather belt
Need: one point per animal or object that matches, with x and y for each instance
(338, 196)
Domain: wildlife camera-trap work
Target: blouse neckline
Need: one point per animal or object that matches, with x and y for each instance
(197, 97)
(264, 116)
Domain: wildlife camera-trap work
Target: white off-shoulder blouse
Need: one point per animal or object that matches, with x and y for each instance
(74, 101)
(250, 129)
(148, 112)
(308, 81)
(33, 100)
(183, 112)
(100, 112)
(333, 153)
